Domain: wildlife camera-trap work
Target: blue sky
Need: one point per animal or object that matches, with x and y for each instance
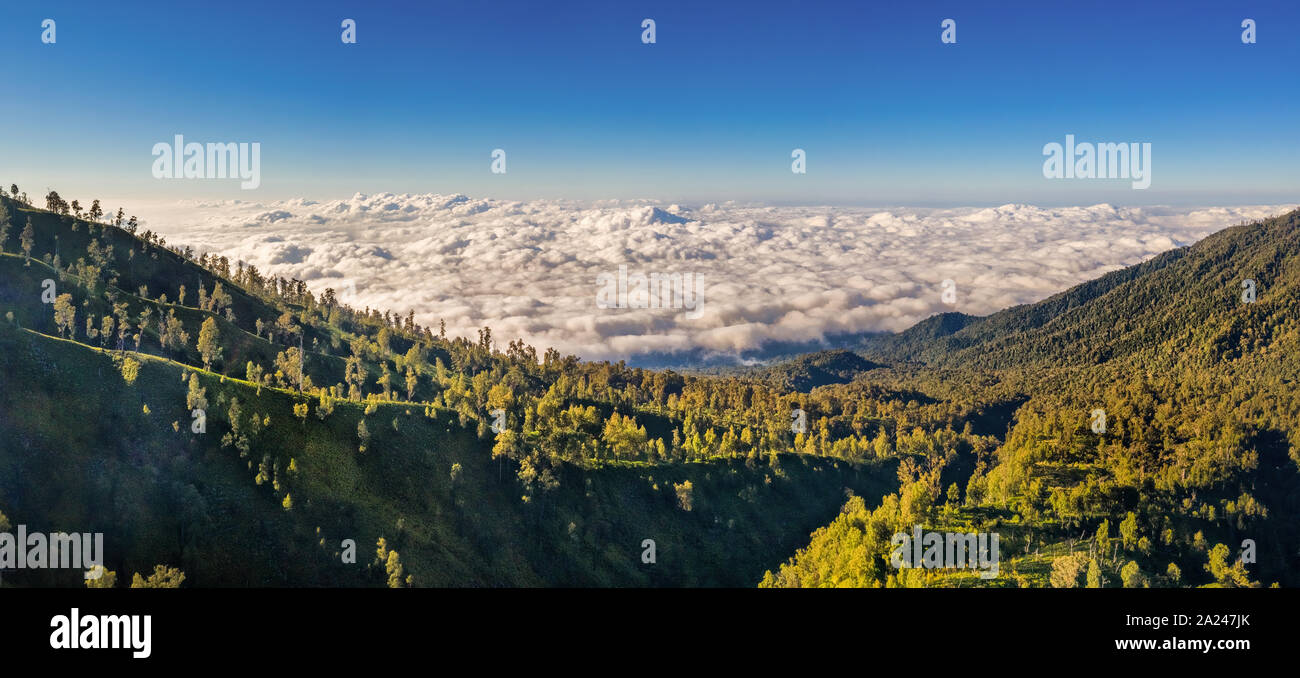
(887, 114)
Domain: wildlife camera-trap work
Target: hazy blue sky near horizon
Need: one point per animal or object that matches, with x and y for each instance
(888, 114)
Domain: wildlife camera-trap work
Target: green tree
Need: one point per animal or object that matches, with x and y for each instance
(386, 380)
(501, 397)
(28, 241)
(623, 437)
(506, 445)
(130, 370)
(1066, 570)
(1103, 538)
(171, 332)
(411, 382)
(289, 363)
(106, 327)
(1132, 576)
(107, 580)
(163, 577)
(197, 396)
(393, 565)
(65, 315)
(325, 405)
(685, 495)
(254, 373)
(209, 345)
(1128, 531)
(1095, 578)
(1234, 575)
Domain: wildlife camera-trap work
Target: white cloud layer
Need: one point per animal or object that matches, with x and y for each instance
(770, 274)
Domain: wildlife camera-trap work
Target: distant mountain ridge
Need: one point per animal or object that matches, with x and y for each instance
(1170, 304)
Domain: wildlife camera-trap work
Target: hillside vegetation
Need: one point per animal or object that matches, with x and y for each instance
(114, 346)
(1137, 430)
(1155, 437)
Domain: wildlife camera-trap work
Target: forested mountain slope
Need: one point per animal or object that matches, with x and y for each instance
(1155, 440)
(453, 462)
(114, 347)
(1185, 304)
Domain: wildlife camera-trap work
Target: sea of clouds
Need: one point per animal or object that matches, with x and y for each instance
(772, 276)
